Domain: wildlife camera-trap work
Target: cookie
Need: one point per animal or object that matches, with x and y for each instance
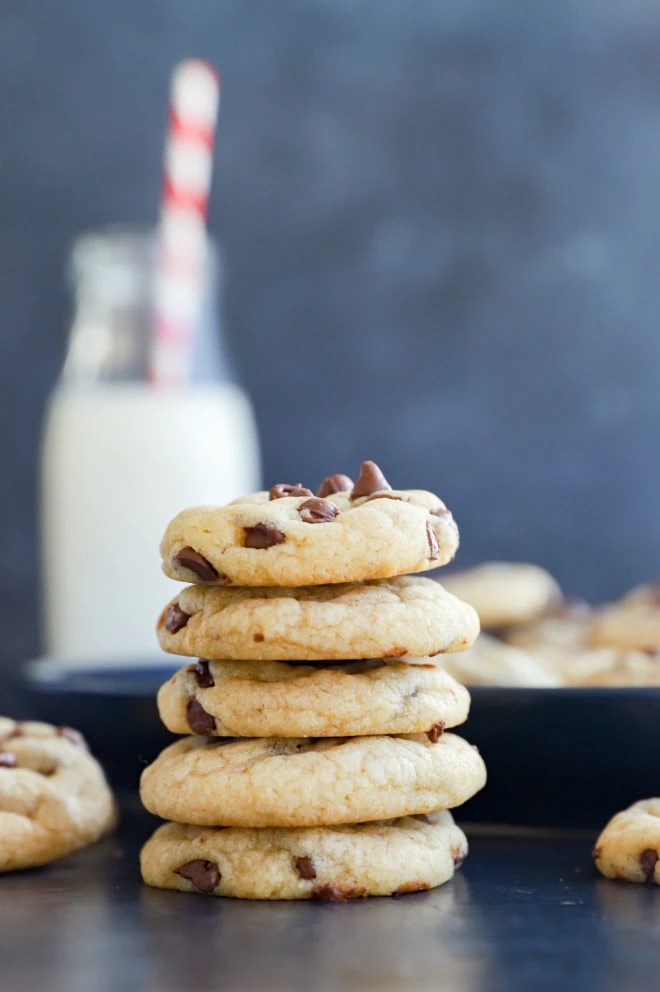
(633, 622)
(562, 640)
(629, 846)
(274, 699)
(492, 662)
(282, 538)
(562, 631)
(393, 618)
(308, 782)
(330, 863)
(505, 593)
(53, 795)
(610, 667)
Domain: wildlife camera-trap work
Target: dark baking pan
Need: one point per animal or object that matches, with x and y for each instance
(564, 757)
(555, 757)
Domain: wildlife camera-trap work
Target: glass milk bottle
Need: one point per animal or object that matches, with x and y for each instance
(120, 458)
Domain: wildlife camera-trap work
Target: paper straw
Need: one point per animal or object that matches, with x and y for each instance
(182, 248)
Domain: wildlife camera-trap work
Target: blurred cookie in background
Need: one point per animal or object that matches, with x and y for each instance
(561, 639)
(611, 667)
(492, 662)
(611, 646)
(505, 593)
(538, 638)
(631, 622)
(566, 628)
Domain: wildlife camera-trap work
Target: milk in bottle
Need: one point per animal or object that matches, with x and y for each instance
(120, 458)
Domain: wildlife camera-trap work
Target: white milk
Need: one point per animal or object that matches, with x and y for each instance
(118, 462)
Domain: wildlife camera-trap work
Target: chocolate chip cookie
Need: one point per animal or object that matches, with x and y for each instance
(632, 622)
(629, 846)
(54, 798)
(491, 662)
(308, 782)
(611, 667)
(560, 638)
(289, 537)
(274, 699)
(563, 640)
(505, 593)
(337, 863)
(400, 617)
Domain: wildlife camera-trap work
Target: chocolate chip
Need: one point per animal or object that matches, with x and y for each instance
(317, 511)
(203, 675)
(262, 536)
(176, 618)
(434, 551)
(7, 760)
(305, 867)
(458, 855)
(370, 480)
(283, 489)
(194, 562)
(200, 721)
(335, 484)
(204, 875)
(648, 860)
(411, 887)
(436, 732)
(72, 735)
(596, 853)
(329, 893)
(258, 638)
(421, 816)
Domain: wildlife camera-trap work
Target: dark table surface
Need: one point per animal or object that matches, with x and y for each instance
(526, 912)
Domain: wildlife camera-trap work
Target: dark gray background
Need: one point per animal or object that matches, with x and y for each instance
(442, 225)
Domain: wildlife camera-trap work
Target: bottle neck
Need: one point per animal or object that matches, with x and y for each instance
(113, 278)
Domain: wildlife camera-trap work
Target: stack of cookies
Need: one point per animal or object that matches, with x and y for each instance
(319, 766)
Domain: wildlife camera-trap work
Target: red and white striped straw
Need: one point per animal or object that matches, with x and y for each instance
(181, 268)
